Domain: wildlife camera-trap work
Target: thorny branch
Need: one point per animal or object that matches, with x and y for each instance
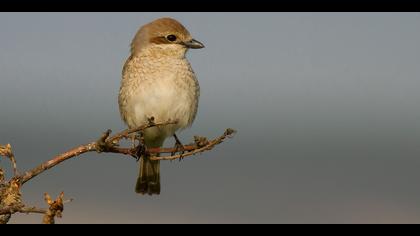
(10, 195)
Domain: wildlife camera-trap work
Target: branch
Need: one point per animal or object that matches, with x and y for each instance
(108, 144)
(200, 145)
(104, 144)
(10, 195)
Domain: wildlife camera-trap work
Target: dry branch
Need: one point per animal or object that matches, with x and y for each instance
(108, 144)
(10, 195)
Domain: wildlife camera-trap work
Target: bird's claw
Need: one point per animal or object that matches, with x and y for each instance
(178, 148)
(102, 144)
(141, 151)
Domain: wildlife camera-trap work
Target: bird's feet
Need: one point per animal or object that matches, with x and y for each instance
(141, 152)
(141, 148)
(103, 145)
(178, 147)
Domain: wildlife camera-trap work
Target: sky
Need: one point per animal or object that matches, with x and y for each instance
(326, 106)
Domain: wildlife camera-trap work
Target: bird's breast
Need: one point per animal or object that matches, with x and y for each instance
(164, 89)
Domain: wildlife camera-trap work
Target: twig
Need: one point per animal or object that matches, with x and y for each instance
(7, 152)
(126, 133)
(21, 209)
(57, 160)
(199, 147)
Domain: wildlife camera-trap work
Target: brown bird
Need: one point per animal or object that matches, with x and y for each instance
(158, 81)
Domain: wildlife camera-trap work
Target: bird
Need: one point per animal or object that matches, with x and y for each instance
(158, 83)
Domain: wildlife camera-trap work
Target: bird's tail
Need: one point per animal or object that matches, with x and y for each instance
(148, 181)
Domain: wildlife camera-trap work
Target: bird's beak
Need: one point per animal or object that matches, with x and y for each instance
(194, 44)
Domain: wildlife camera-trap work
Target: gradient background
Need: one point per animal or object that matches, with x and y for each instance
(326, 105)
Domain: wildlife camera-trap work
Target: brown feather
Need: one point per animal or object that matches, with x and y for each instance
(156, 31)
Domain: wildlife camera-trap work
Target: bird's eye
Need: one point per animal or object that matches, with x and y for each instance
(171, 37)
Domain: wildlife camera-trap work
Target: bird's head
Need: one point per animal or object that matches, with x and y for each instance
(164, 36)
